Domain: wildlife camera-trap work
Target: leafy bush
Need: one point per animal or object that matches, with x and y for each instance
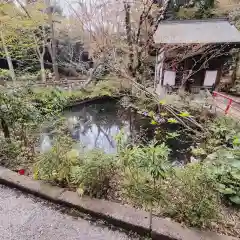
(95, 174)
(9, 152)
(225, 167)
(17, 113)
(49, 101)
(198, 152)
(4, 74)
(91, 172)
(224, 129)
(190, 196)
(143, 167)
(105, 88)
(187, 194)
(27, 77)
(56, 165)
(224, 163)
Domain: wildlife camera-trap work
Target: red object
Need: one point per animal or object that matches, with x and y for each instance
(228, 106)
(230, 100)
(21, 171)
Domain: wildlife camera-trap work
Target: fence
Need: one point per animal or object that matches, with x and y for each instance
(227, 103)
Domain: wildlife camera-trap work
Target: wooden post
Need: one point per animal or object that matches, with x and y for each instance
(159, 68)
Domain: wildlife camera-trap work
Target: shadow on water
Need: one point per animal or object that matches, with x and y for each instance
(95, 125)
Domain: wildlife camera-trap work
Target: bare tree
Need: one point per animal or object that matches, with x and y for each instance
(9, 59)
(40, 50)
(50, 10)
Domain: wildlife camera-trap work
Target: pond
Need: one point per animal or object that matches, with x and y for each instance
(95, 125)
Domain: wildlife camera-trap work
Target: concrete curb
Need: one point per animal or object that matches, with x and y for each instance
(116, 214)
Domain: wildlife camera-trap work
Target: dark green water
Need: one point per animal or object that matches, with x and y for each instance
(95, 125)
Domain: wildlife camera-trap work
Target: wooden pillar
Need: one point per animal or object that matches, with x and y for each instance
(218, 78)
(159, 68)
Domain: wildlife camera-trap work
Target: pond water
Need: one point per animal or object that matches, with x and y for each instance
(95, 125)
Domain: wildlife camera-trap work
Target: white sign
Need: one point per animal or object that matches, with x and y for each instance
(169, 78)
(210, 78)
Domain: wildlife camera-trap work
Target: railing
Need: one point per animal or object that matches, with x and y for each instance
(229, 104)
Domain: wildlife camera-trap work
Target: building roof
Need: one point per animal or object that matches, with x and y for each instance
(196, 31)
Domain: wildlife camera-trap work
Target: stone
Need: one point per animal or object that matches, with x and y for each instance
(23, 182)
(111, 211)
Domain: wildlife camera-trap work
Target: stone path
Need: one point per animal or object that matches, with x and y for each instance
(23, 217)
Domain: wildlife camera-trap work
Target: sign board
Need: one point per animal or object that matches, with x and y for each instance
(210, 78)
(169, 78)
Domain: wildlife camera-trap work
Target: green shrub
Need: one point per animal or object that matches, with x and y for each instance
(222, 131)
(143, 167)
(9, 152)
(224, 166)
(186, 194)
(49, 101)
(105, 88)
(190, 196)
(56, 164)
(4, 74)
(95, 174)
(91, 172)
(27, 77)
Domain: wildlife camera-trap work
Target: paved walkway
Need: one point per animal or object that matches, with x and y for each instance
(23, 217)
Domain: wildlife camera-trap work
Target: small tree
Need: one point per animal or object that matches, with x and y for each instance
(144, 168)
(4, 20)
(17, 114)
(51, 10)
(35, 24)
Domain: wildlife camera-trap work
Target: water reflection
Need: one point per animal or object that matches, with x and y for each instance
(96, 125)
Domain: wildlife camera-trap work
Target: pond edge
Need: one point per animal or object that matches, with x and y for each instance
(119, 215)
(90, 100)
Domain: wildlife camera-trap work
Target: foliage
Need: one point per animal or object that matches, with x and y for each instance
(17, 112)
(186, 13)
(198, 152)
(23, 32)
(9, 152)
(143, 166)
(187, 194)
(234, 16)
(225, 167)
(4, 74)
(197, 9)
(90, 172)
(49, 101)
(236, 88)
(172, 120)
(190, 196)
(95, 174)
(221, 132)
(56, 165)
(106, 87)
(184, 114)
(19, 42)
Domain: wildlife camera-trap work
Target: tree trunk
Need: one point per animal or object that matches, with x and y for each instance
(53, 48)
(129, 37)
(236, 69)
(9, 60)
(5, 128)
(43, 73)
